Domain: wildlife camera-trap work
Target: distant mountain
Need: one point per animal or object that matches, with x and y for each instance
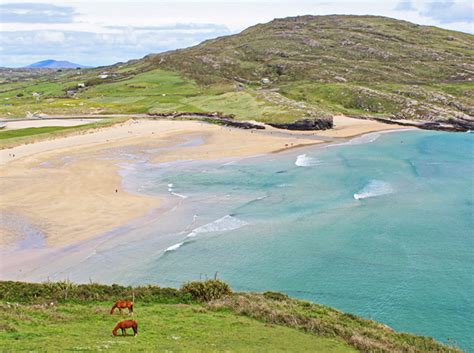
(54, 64)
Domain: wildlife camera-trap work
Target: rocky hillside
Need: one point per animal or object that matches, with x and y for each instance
(359, 65)
(298, 69)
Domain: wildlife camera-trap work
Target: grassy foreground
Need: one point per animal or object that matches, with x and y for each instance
(199, 317)
(161, 327)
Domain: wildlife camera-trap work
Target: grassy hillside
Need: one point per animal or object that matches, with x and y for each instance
(162, 327)
(64, 316)
(281, 71)
(360, 65)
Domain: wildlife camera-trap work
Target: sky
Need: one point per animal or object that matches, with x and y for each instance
(103, 32)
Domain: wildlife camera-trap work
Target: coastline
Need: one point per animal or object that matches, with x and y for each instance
(73, 186)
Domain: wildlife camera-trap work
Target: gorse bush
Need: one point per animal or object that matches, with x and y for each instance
(65, 291)
(207, 290)
(275, 296)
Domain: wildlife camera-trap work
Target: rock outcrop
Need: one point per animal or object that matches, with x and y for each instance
(306, 124)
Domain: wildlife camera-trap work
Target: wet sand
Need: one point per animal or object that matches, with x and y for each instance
(69, 189)
(61, 197)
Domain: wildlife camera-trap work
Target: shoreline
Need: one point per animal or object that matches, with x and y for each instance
(98, 155)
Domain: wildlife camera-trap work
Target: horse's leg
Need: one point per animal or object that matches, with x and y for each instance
(121, 311)
(124, 332)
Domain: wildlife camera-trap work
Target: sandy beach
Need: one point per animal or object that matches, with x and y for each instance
(70, 189)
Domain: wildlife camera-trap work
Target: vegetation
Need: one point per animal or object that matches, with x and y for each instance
(68, 316)
(161, 328)
(207, 290)
(282, 71)
(9, 138)
(31, 131)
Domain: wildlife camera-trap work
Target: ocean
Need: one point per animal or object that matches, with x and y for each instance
(381, 227)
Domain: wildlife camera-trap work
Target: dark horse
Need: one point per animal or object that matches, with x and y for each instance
(124, 325)
(122, 304)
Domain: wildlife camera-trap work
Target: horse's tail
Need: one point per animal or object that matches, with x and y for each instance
(131, 307)
(113, 308)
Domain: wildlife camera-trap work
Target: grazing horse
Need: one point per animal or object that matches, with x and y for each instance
(124, 325)
(122, 304)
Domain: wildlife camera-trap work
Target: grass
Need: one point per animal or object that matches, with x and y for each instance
(315, 65)
(32, 131)
(10, 138)
(201, 316)
(162, 327)
(155, 91)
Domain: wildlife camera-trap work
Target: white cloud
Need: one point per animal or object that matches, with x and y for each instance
(19, 48)
(26, 12)
(50, 37)
(106, 31)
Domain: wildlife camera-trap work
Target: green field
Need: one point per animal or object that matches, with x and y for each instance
(9, 138)
(199, 317)
(162, 327)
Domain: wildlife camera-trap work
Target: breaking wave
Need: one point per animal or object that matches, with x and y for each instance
(304, 161)
(223, 224)
(174, 247)
(374, 188)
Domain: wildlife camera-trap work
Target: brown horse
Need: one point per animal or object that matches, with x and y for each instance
(122, 304)
(124, 325)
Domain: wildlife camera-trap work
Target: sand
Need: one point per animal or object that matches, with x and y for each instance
(70, 189)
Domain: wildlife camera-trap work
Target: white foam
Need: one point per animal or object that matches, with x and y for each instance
(174, 247)
(223, 224)
(304, 161)
(374, 188)
(179, 195)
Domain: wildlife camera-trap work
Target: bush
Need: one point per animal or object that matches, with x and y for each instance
(207, 290)
(31, 293)
(275, 296)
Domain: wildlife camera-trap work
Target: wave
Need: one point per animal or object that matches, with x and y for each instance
(374, 188)
(223, 224)
(304, 161)
(179, 195)
(174, 247)
(171, 190)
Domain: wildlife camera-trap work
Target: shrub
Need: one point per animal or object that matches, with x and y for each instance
(30, 293)
(275, 296)
(207, 290)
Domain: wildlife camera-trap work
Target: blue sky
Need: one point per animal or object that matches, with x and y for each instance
(101, 32)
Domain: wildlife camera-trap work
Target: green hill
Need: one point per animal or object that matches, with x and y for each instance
(281, 71)
(201, 316)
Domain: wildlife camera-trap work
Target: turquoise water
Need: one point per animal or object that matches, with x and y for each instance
(381, 229)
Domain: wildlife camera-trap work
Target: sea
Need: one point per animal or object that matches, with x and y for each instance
(381, 226)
